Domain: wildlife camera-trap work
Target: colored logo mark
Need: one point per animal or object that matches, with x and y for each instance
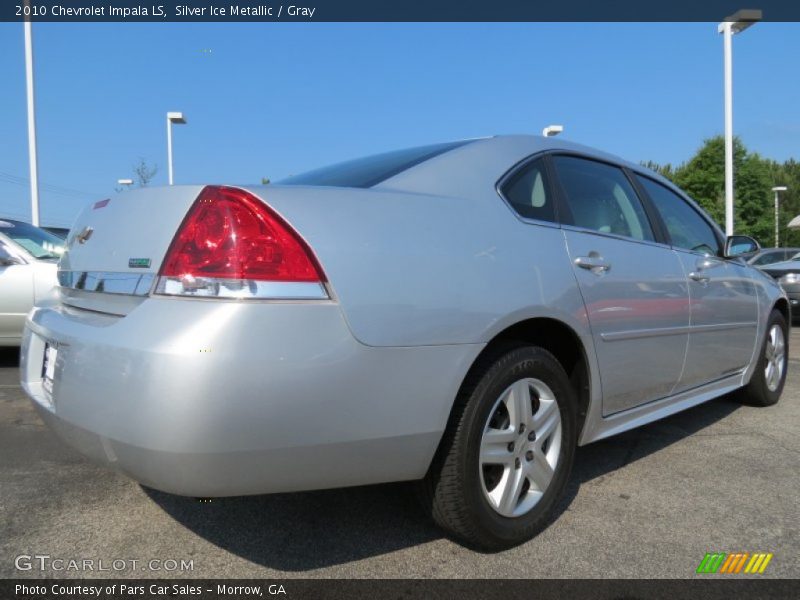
(737, 562)
(138, 263)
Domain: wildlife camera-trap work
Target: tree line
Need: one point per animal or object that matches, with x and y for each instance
(703, 178)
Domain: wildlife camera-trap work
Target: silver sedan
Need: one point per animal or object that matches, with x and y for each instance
(28, 257)
(464, 314)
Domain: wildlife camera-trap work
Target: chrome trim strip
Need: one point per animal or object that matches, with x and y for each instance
(236, 289)
(614, 236)
(108, 282)
(617, 336)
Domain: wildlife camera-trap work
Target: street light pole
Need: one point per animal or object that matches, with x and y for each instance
(32, 156)
(728, 50)
(777, 189)
(736, 23)
(177, 118)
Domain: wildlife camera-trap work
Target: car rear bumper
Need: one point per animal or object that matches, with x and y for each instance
(207, 398)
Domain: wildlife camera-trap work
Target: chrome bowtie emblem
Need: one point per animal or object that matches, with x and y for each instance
(84, 235)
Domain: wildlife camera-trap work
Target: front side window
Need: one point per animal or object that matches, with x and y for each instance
(527, 193)
(601, 198)
(686, 228)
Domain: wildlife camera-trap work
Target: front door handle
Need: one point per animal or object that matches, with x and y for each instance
(594, 263)
(699, 277)
(701, 266)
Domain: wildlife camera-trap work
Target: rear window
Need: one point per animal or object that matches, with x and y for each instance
(371, 170)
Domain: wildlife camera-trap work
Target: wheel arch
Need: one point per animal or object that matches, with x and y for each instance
(782, 305)
(555, 336)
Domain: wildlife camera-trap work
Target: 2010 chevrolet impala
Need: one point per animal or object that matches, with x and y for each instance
(465, 314)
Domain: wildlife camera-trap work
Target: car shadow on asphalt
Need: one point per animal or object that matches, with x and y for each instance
(304, 531)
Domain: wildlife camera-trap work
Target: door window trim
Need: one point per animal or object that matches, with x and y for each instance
(550, 189)
(660, 239)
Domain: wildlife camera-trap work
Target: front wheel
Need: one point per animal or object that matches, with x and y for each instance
(767, 382)
(507, 454)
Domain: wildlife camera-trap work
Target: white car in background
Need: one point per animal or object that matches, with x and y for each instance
(28, 257)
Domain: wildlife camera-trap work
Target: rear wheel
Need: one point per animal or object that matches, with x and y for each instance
(506, 457)
(767, 382)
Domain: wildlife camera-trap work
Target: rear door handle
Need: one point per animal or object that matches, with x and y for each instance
(594, 263)
(700, 277)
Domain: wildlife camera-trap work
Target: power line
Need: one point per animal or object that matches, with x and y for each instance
(53, 189)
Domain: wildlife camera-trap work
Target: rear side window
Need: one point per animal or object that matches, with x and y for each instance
(601, 198)
(371, 170)
(686, 228)
(528, 194)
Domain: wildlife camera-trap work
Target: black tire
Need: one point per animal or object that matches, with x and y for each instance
(453, 488)
(758, 392)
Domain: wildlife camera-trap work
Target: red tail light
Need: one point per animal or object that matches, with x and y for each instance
(230, 237)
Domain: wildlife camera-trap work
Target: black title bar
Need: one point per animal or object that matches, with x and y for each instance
(709, 588)
(383, 10)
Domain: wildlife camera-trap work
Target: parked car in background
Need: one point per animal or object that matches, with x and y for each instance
(61, 232)
(465, 313)
(768, 256)
(28, 258)
(787, 274)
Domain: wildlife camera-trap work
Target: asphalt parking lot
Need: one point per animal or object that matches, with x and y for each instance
(649, 503)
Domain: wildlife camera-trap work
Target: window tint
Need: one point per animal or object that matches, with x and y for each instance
(601, 198)
(687, 229)
(371, 170)
(527, 193)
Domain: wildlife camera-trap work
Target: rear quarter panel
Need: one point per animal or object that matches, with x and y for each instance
(412, 269)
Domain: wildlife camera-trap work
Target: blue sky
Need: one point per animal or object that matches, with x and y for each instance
(275, 99)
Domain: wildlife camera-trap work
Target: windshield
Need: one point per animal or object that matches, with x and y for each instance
(37, 242)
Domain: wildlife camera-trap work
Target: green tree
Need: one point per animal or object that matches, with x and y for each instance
(787, 174)
(664, 170)
(703, 178)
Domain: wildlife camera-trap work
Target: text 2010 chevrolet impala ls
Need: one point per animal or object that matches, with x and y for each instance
(464, 313)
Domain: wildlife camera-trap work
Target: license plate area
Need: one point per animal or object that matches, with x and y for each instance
(49, 366)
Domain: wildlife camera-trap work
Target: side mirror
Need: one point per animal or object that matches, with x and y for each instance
(7, 261)
(738, 245)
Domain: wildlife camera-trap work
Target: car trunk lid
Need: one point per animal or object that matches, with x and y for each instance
(116, 246)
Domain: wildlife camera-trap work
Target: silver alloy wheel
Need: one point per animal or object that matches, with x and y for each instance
(775, 353)
(520, 447)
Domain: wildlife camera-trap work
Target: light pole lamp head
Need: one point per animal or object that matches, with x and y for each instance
(176, 118)
(125, 181)
(552, 130)
(742, 19)
(780, 188)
